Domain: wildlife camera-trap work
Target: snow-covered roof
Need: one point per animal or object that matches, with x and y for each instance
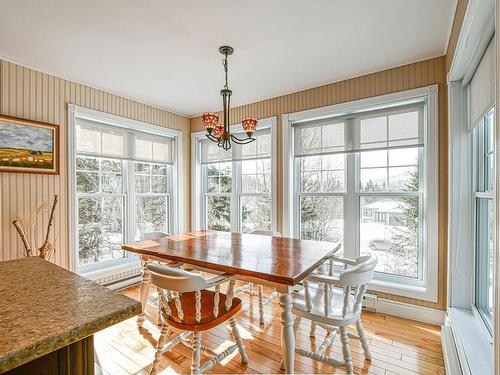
(386, 206)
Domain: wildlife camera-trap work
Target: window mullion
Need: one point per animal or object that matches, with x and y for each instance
(129, 187)
(130, 199)
(351, 212)
(203, 199)
(235, 196)
(295, 211)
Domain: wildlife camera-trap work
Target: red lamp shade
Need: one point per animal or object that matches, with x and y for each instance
(249, 125)
(219, 130)
(210, 121)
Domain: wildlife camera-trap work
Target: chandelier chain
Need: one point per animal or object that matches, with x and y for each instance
(224, 63)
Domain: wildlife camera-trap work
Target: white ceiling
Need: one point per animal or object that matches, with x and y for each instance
(165, 52)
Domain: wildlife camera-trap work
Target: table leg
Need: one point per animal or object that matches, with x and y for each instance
(144, 292)
(287, 333)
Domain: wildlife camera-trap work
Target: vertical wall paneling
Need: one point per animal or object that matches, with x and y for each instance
(32, 95)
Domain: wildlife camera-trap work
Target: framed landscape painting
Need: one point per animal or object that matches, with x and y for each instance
(28, 146)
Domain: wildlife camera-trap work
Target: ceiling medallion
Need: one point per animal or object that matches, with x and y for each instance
(220, 133)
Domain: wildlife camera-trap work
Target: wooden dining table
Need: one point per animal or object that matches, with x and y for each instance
(279, 262)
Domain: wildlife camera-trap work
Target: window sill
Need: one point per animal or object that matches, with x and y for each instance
(403, 290)
(474, 344)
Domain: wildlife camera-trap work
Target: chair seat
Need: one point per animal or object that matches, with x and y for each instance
(317, 293)
(208, 320)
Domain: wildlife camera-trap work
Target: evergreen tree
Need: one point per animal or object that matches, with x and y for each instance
(404, 243)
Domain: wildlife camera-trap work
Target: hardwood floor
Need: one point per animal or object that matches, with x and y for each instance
(398, 346)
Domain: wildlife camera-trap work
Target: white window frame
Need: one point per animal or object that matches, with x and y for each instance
(197, 202)
(476, 349)
(176, 194)
(427, 289)
(479, 192)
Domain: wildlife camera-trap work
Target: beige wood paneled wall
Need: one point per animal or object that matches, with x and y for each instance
(32, 95)
(424, 73)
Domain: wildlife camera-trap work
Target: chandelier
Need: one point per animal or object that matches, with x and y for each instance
(220, 133)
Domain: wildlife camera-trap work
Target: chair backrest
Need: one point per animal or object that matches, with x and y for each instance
(359, 274)
(174, 279)
(272, 233)
(355, 279)
(153, 236)
(173, 282)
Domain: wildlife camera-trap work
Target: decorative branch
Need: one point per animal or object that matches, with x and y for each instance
(51, 218)
(48, 247)
(20, 230)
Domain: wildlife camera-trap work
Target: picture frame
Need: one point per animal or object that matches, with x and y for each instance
(28, 146)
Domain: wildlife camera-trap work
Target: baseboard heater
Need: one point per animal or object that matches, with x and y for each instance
(124, 283)
(121, 280)
(370, 302)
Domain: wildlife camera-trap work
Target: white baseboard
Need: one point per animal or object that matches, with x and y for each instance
(450, 354)
(413, 312)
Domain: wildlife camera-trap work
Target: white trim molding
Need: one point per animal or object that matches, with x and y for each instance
(460, 213)
(410, 311)
(451, 361)
(477, 28)
(474, 349)
(496, 262)
(467, 330)
(427, 287)
(372, 302)
(122, 122)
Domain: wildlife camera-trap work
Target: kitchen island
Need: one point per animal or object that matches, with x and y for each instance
(48, 316)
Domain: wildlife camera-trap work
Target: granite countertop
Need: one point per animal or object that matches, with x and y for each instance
(44, 307)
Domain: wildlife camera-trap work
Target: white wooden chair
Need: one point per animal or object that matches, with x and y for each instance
(188, 305)
(248, 288)
(154, 236)
(334, 303)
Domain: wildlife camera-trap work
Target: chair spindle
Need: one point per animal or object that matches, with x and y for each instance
(216, 301)
(178, 305)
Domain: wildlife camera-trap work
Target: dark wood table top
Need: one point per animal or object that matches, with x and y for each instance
(276, 259)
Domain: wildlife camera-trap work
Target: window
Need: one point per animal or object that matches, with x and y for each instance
(483, 141)
(387, 195)
(218, 189)
(100, 206)
(152, 197)
(123, 187)
(255, 208)
(363, 177)
(235, 187)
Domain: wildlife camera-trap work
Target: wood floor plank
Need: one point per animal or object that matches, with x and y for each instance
(399, 346)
